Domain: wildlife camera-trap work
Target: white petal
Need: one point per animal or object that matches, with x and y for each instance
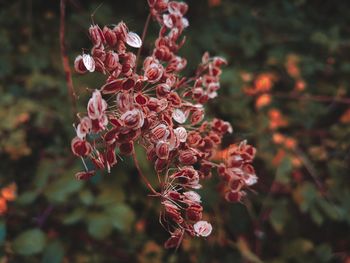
(167, 21)
(192, 196)
(181, 134)
(179, 116)
(133, 40)
(251, 179)
(89, 62)
(202, 228)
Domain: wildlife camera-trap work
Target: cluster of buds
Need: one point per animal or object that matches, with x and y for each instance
(161, 111)
(237, 171)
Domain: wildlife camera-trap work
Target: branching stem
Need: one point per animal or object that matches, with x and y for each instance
(65, 60)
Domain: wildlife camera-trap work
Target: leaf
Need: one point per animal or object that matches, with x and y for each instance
(27, 198)
(86, 197)
(74, 217)
(2, 232)
(297, 246)
(99, 225)
(45, 169)
(284, 170)
(324, 252)
(305, 196)
(110, 194)
(53, 253)
(122, 216)
(279, 216)
(246, 252)
(316, 216)
(59, 190)
(329, 209)
(29, 242)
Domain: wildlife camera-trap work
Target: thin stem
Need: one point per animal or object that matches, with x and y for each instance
(143, 37)
(319, 98)
(65, 60)
(144, 178)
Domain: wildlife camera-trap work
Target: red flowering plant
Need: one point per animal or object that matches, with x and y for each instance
(163, 112)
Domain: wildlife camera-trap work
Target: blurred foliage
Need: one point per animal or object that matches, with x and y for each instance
(299, 211)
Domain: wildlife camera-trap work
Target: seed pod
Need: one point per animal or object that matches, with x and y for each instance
(110, 36)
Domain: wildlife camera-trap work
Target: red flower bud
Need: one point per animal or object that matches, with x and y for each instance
(80, 147)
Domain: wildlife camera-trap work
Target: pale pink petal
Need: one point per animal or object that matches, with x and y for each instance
(192, 196)
(133, 40)
(202, 228)
(168, 22)
(179, 116)
(89, 62)
(181, 134)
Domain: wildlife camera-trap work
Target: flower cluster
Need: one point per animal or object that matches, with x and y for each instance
(161, 111)
(237, 172)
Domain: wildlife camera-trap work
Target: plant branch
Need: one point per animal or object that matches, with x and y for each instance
(65, 60)
(143, 37)
(319, 98)
(144, 178)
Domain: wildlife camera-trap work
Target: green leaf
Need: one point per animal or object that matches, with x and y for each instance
(122, 216)
(284, 170)
(53, 253)
(2, 232)
(59, 190)
(27, 198)
(110, 194)
(45, 169)
(74, 216)
(99, 225)
(316, 216)
(279, 216)
(86, 197)
(324, 252)
(297, 246)
(329, 209)
(309, 195)
(29, 242)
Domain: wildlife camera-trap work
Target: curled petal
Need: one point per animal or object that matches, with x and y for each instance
(96, 106)
(203, 228)
(179, 116)
(79, 65)
(192, 196)
(181, 134)
(89, 62)
(133, 40)
(85, 175)
(84, 127)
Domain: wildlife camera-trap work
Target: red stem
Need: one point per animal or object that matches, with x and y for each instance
(144, 178)
(143, 36)
(319, 98)
(65, 60)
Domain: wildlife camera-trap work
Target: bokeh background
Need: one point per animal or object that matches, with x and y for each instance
(285, 90)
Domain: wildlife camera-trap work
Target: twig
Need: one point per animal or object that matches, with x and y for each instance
(313, 173)
(65, 60)
(143, 37)
(319, 98)
(148, 184)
